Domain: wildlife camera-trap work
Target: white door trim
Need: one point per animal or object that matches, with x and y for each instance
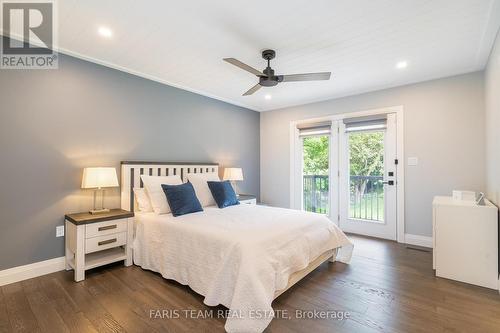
(295, 160)
(334, 179)
(295, 196)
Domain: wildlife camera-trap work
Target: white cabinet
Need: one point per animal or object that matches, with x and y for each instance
(465, 239)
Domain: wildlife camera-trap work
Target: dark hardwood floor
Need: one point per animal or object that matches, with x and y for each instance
(386, 288)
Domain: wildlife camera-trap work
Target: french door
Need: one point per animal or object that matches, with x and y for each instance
(347, 170)
(367, 172)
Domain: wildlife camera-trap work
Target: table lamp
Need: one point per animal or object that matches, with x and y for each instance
(233, 175)
(97, 179)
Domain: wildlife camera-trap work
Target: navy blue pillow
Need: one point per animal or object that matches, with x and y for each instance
(182, 199)
(223, 193)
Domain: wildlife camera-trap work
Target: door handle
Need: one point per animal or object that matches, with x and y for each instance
(388, 182)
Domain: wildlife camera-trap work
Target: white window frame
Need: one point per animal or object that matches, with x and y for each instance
(296, 162)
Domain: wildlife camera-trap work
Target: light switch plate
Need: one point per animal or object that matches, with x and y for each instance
(60, 231)
(412, 161)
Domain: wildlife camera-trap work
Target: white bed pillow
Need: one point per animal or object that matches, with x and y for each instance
(142, 199)
(199, 182)
(152, 184)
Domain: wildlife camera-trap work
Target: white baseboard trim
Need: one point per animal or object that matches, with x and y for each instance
(418, 240)
(25, 272)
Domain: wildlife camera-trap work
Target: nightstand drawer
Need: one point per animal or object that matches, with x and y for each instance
(105, 242)
(105, 228)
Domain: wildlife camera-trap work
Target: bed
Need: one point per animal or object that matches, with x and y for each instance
(242, 257)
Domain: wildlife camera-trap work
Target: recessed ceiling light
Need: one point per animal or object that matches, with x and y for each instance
(105, 32)
(268, 97)
(402, 64)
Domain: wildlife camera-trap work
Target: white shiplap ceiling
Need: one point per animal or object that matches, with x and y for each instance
(182, 43)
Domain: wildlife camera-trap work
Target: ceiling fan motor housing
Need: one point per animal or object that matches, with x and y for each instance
(270, 79)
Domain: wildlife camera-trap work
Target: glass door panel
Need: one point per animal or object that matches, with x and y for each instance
(366, 175)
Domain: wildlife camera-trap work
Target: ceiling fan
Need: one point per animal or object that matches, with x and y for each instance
(267, 77)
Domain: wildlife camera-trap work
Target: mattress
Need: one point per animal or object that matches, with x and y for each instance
(238, 256)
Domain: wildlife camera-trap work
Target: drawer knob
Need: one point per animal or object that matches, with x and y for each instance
(109, 241)
(108, 227)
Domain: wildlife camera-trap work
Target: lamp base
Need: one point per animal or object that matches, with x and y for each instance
(233, 184)
(99, 211)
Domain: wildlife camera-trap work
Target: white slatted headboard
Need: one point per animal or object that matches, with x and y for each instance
(131, 172)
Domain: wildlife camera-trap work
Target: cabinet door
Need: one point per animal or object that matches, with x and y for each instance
(467, 245)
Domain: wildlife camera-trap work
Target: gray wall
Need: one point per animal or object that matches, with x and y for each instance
(53, 123)
(444, 128)
(492, 89)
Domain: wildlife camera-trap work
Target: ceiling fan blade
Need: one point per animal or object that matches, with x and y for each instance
(243, 66)
(252, 90)
(305, 77)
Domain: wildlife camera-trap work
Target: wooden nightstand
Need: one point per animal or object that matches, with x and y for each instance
(247, 199)
(97, 240)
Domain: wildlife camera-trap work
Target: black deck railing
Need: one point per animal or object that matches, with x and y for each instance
(316, 189)
(366, 196)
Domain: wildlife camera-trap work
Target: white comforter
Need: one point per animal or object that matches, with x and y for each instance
(238, 256)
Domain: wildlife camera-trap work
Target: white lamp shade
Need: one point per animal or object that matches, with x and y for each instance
(233, 174)
(99, 177)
